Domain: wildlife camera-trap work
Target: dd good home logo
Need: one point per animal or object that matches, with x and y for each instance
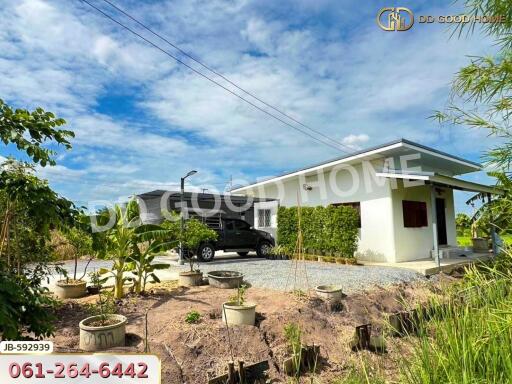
(395, 19)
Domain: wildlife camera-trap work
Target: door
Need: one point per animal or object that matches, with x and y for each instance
(230, 237)
(247, 237)
(442, 238)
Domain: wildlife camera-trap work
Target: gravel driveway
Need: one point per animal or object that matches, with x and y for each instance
(280, 274)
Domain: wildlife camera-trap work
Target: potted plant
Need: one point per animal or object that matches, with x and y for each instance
(237, 311)
(329, 292)
(480, 244)
(105, 329)
(95, 283)
(80, 244)
(192, 237)
(351, 261)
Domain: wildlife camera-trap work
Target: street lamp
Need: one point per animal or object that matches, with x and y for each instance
(182, 204)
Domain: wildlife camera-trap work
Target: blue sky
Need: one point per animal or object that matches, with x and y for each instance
(142, 121)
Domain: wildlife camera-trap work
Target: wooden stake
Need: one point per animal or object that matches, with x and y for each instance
(241, 372)
(231, 373)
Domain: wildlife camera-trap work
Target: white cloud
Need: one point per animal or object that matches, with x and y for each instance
(360, 88)
(355, 139)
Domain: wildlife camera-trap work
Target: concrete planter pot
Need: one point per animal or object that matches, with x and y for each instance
(190, 279)
(329, 292)
(70, 289)
(92, 290)
(225, 279)
(480, 244)
(98, 338)
(235, 314)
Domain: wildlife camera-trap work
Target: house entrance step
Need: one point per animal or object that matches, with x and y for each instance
(451, 252)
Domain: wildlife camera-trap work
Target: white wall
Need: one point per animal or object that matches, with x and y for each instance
(273, 206)
(383, 236)
(341, 186)
(416, 243)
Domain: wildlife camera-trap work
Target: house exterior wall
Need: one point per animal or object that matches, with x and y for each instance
(416, 243)
(273, 206)
(376, 236)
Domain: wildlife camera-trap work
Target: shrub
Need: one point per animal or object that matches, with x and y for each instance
(327, 229)
(192, 317)
(25, 309)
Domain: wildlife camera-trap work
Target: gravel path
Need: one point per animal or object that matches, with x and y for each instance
(275, 274)
(279, 274)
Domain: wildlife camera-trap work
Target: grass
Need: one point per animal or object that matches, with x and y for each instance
(468, 341)
(465, 241)
(466, 338)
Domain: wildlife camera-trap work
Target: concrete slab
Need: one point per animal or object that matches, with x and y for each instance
(428, 267)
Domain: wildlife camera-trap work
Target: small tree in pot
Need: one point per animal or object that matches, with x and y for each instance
(105, 329)
(194, 234)
(237, 311)
(77, 242)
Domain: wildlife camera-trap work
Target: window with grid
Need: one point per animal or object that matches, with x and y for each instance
(264, 218)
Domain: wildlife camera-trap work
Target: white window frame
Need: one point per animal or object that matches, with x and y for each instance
(264, 218)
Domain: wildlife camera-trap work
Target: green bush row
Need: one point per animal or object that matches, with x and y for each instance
(324, 229)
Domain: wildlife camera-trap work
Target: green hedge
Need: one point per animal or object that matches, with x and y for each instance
(324, 229)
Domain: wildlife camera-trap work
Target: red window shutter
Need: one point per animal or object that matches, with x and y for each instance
(414, 214)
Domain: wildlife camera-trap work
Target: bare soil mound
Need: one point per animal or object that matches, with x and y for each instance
(193, 352)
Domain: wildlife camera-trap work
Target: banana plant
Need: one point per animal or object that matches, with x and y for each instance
(132, 247)
(151, 240)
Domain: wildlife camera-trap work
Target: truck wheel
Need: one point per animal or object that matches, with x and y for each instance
(206, 253)
(243, 254)
(263, 248)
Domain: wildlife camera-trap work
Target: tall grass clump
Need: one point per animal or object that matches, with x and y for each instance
(468, 335)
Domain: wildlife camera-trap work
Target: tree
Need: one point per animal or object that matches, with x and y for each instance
(193, 235)
(462, 223)
(482, 98)
(29, 208)
(72, 241)
(30, 130)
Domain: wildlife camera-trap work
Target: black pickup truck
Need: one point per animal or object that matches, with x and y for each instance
(236, 236)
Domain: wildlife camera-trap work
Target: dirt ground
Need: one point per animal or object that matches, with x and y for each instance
(191, 353)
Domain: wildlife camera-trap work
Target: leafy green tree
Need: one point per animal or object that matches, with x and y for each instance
(482, 98)
(497, 212)
(72, 242)
(29, 208)
(462, 223)
(24, 308)
(193, 235)
(30, 130)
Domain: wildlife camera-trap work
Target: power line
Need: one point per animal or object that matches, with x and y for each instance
(208, 78)
(224, 77)
(62, 178)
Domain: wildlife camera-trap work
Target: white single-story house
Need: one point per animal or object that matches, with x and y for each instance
(403, 191)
